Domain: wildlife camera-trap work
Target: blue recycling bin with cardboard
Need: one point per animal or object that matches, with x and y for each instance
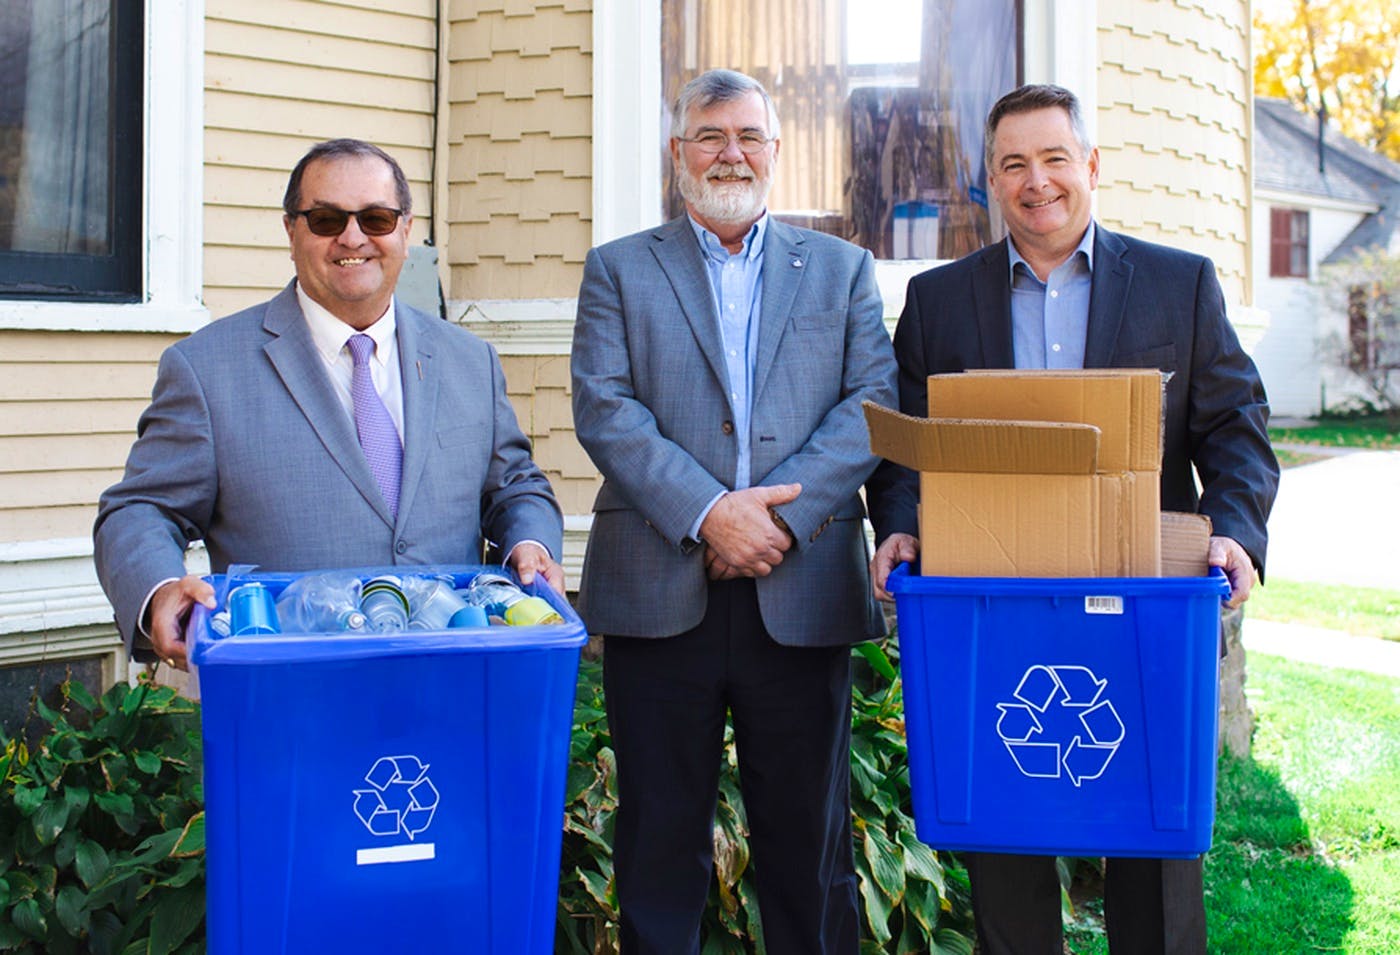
(387, 792)
(1061, 716)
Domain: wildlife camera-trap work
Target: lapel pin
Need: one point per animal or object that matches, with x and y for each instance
(797, 263)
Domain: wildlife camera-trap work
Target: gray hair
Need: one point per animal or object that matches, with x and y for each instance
(719, 86)
(1026, 99)
(335, 149)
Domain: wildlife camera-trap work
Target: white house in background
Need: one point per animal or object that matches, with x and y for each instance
(1316, 203)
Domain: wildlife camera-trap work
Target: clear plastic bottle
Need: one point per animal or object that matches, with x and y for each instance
(432, 602)
(385, 604)
(500, 597)
(322, 603)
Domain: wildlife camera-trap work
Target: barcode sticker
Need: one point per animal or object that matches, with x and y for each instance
(1103, 605)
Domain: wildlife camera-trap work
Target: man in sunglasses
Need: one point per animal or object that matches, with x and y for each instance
(328, 427)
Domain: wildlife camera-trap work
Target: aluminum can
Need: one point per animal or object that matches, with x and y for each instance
(252, 610)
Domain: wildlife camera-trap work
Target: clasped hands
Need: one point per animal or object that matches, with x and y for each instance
(743, 534)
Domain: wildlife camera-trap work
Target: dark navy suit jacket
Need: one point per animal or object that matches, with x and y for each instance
(1150, 307)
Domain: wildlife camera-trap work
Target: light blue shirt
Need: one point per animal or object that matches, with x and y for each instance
(736, 281)
(1050, 319)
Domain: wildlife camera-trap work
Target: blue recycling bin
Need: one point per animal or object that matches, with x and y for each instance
(385, 792)
(1068, 717)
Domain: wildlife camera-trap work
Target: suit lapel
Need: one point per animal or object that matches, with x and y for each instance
(991, 304)
(1108, 298)
(420, 392)
(785, 261)
(678, 253)
(293, 356)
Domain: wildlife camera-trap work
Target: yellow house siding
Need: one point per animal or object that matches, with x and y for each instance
(519, 148)
(1173, 128)
(539, 388)
(281, 75)
(67, 417)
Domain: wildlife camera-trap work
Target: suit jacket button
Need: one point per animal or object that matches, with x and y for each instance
(401, 548)
(727, 427)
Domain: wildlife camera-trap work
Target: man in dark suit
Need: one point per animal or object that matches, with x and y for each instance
(327, 427)
(719, 366)
(1063, 292)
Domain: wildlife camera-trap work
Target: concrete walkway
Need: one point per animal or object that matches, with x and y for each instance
(1335, 521)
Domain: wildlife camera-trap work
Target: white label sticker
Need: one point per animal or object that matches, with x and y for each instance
(1103, 605)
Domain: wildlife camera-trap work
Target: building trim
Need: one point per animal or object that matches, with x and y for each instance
(174, 187)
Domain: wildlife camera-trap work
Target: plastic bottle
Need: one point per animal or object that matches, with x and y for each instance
(385, 604)
(432, 602)
(322, 603)
(500, 597)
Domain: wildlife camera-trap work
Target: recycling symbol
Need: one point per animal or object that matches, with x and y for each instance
(401, 799)
(1060, 723)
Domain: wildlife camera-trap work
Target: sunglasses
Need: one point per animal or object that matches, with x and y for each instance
(325, 221)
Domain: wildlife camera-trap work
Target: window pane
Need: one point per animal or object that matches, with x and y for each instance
(55, 138)
(881, 104)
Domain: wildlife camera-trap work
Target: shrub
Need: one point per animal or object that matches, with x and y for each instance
(914, 900)
(103, 828)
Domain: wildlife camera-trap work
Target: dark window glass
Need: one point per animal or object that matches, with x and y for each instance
(70, 149)
(881, 104)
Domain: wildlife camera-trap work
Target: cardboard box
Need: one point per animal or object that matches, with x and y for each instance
(1185, 544)
(1004, 494)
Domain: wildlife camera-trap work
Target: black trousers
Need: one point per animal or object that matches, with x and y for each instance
(1151, 906)
(666, 702)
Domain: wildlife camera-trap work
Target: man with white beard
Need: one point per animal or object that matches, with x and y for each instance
(719, 366)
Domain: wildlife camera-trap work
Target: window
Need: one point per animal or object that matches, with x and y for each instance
(1288, 243)
(881, 103)
(71, 105)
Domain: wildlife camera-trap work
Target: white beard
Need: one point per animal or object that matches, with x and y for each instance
(740, 202)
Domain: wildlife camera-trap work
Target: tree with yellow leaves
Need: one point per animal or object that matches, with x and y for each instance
(1339, 56)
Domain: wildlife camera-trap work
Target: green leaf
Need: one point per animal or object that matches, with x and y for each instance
(134, 699)
(600, 889)
(66, 847)
(76, 691)
(948, 942)
(29, 919)
(29, 798)
(920, 861)
(886, 862)
(114, 804)
(77, 798)
(49, 821)
(877, 659)
(91, 863)
(191, 838)
(147, 762)
(69, 907)
(177, 914)
(877, 907)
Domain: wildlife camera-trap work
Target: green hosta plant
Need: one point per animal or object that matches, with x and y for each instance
(102, 828)
(914, 900)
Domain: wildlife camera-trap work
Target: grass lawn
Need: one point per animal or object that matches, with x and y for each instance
(1307, 831)
(1377, 431)
(1364, 611)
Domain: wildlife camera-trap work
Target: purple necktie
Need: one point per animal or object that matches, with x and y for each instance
(378, 437)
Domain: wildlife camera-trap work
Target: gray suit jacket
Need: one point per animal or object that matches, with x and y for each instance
(651, 409)
(1150, 306)
(246, 447)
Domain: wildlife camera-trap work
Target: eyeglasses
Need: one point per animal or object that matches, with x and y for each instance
(326, 221)
(716, 143)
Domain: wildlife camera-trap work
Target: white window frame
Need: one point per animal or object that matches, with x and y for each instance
(1060, 46)
(173, 183)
